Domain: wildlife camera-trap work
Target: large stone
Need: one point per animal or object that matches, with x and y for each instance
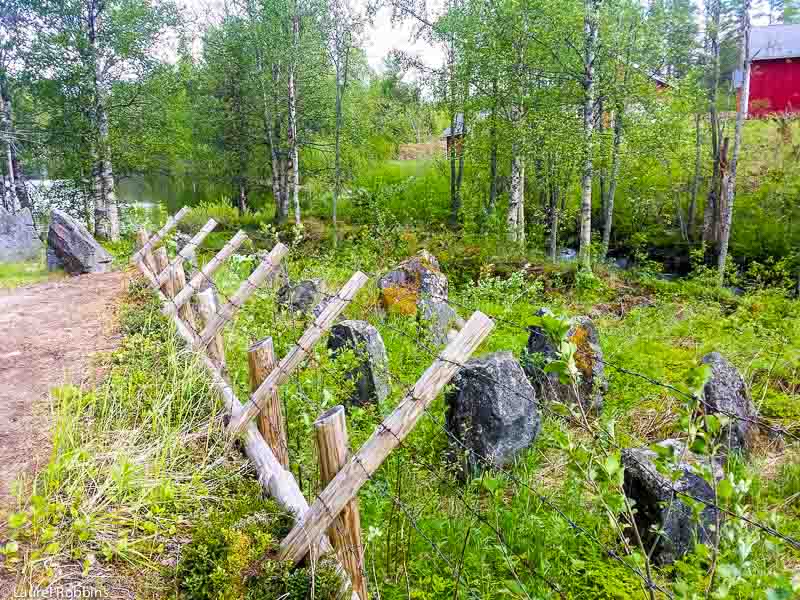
(592, 384)
(71, 246)
(439, 319)
(659, 504)
(413, 279)
(18, 238)
(279, 277)
(303, 296)
(370, 376)
(491, 412)
(726, 394)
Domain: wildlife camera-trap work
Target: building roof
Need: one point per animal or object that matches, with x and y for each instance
(775, 41)
(459, 127)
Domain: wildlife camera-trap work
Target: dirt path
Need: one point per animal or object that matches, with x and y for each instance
(48, 332)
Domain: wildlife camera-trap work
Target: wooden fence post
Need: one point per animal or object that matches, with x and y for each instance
(345, 533)
(153, 241)
(162, 262)
(188, 250)
(141, 241)
(271, 424)
(388, 436)
(186, 311)
(207, 305)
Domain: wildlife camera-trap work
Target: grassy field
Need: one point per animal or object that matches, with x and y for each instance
(16, 274)
(142, 489)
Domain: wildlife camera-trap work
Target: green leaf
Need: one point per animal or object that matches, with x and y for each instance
(724, 489)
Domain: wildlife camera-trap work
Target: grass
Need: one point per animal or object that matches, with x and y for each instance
(138, 463)
(25, 273)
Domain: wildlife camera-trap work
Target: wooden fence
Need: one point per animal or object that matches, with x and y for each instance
(332, 521)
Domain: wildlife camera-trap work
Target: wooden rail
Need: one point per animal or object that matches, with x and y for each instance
(188, 249)
(156, 239)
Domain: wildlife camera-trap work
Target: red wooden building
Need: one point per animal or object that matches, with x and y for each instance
(775, 70)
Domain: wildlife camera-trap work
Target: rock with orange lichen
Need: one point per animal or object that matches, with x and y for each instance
(591, 385)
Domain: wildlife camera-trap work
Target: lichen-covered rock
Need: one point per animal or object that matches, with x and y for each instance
(69, 244)
(491, 412)
(725, 393)
(303, 296)
(413, 279)
(372, 383)
(659, 504)
(279, 277)
(439, 319)
(18, 238)
(592, 385)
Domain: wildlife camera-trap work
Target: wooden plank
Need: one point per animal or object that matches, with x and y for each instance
(330, 432)
(261, 361)
(188, 250)
(387, 437)
(295, 356)
(248, 287)
(156, 239)
(206, 272)
(141, 241)
(207, 306)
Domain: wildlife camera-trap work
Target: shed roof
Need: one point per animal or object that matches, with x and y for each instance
(775, 41)
(459, 127)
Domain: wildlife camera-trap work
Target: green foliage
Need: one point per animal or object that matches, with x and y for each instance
(16, 274)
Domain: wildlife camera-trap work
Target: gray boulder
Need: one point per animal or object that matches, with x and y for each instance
(71, 246)
(725, 393)
(659, 504)
(303, 296)
(279, 277)
(491, 412)
(438, 318)
(589, 360)
(372, 383)
(18, 238)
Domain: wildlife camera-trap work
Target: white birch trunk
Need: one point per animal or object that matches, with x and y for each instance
(292, 132)
(516, 202)
(590, 31)
(741, 114)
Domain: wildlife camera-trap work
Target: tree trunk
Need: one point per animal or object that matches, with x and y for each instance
(696, 179)
(552, 240)
(590, 28)
(493, 153)
(279, 175)
(15, 174)
(106, 214)
(516, 202)
(292, 129)
(741, 114)
(608, 205)
(712, 203)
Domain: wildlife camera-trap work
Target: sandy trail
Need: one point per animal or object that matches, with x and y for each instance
(48, 333)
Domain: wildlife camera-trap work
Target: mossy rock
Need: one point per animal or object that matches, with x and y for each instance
(231, 556)
(415, 278)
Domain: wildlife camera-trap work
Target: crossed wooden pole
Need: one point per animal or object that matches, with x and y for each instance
(333, 517)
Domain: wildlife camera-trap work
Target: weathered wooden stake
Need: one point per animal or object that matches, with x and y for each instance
(208, 305)
(386, 438)
(246, 289)
(189, 249)
(186, 311)
(141, 241)
(154, 241)
(345, 532)
(204, 275)
(295, 356)
(162, 262)
(261, 360)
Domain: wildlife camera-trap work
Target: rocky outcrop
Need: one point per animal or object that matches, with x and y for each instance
(660, 505)
(71, 246)
(303, 296)
(370, 376)
(414, 278)
(592, 384)
(491, 412)
(416, 287)
(725, 393)
(19, 240)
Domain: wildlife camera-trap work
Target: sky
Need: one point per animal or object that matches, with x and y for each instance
(383, 36)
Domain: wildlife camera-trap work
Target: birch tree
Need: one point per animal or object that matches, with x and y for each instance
(741, 115)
